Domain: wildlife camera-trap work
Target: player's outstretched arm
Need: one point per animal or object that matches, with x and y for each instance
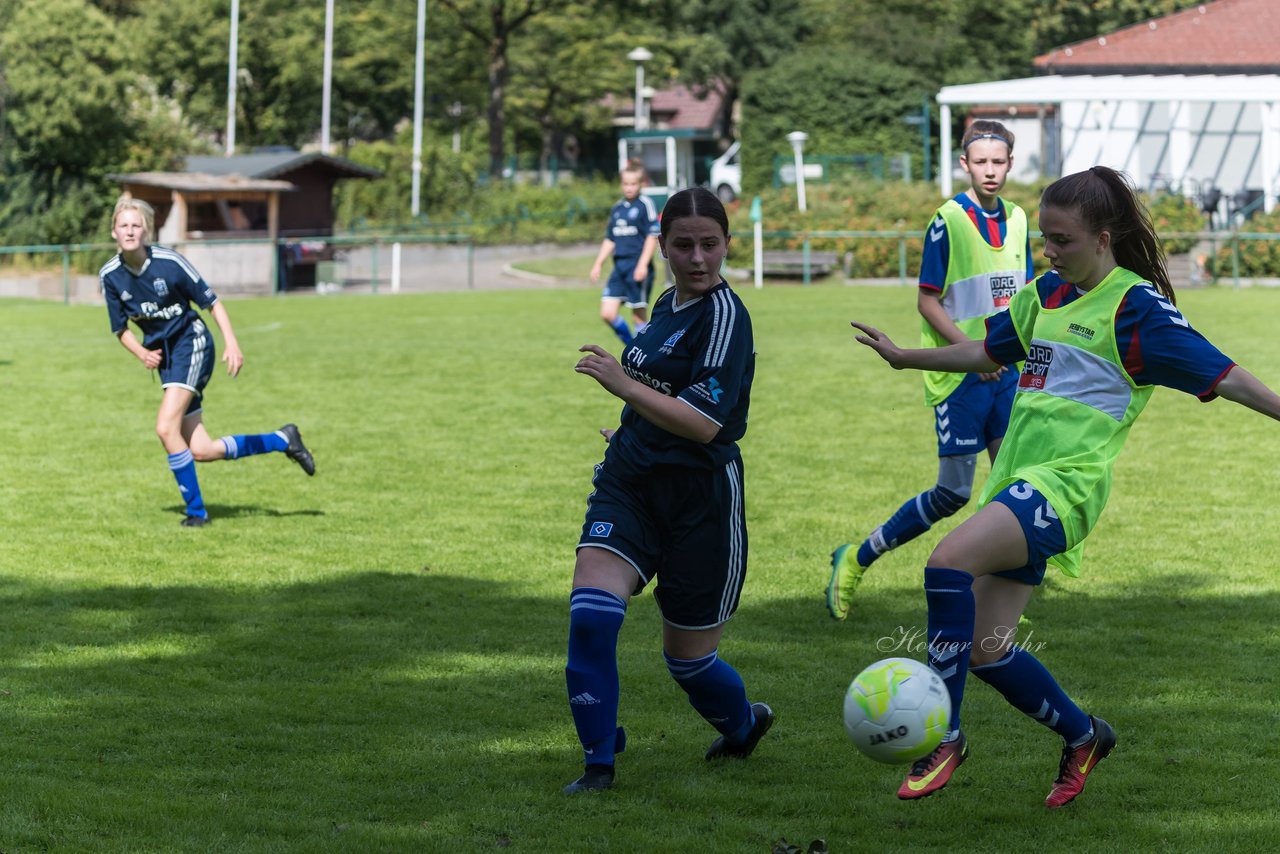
(655, 407)
(1244, 388)
(965, 357)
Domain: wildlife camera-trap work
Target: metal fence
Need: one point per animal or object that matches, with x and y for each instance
(256, 266)
(1215, 239)
(376, 263)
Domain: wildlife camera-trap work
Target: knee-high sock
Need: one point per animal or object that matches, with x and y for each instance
(623, 331)
(911, 520)
(591, 673)
(716, 691)
(183, 466)
(248, 446)
(1032, 690)
(949, 593)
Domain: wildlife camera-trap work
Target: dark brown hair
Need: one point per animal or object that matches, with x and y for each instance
(695, 201)
(1107, 201)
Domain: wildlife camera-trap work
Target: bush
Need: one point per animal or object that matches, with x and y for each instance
(1172, 213)
(870, 205)
(862, 204)
(1258, 258)
(457, 196)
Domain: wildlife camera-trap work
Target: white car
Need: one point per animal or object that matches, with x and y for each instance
(726, 174)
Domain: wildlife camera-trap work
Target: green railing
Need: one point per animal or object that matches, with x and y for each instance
(1214, 238)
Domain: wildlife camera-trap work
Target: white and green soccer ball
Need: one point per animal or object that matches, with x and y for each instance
(897, 710)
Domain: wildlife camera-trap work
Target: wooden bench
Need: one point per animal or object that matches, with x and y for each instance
(790, 264)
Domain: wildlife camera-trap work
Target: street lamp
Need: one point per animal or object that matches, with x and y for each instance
(640, 56)
(797, 140)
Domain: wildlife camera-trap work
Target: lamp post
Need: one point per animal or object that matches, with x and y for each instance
(640, 56)
(327, 75)
(797, 140)
(233, 48)
(419, 61)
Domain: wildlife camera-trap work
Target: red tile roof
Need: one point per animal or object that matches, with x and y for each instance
(1226, 35)
(695, 108)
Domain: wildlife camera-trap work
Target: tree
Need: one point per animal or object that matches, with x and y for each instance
(562, 69)
(733, 38)
(493, 23)
(66, 84)
(76, 109)
(847, 102)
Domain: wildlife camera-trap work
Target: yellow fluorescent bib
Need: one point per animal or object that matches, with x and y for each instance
(980, 281)
(1074, 407)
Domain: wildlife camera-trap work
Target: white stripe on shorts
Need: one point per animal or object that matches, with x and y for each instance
(733, 579)
(197, 354)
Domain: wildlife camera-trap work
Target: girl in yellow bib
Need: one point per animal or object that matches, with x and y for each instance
(1096, 334)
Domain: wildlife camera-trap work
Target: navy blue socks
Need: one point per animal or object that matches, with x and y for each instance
(949, 593)
(1032, 690)
(912, 519)
(716, 692)
(591, 673)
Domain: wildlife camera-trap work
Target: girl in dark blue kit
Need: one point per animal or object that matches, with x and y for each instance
(154, 287)
(668, 498)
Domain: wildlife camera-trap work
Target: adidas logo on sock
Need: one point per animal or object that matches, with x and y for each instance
(583, 699)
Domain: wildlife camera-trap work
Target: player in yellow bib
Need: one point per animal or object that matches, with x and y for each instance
(976, 257)
(1095, 334)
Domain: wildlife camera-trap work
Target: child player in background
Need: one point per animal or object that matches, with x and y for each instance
(631, 237)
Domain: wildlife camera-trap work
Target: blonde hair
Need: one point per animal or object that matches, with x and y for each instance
(129, 203)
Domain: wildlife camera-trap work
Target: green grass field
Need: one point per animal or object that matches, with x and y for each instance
(371, 660)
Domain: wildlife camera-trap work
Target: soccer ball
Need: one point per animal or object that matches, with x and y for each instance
(897, 710)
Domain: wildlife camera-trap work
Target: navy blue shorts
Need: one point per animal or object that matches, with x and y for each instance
(1040, 525)
(187, 362)
(686, 527)
(622, 284)
(975, 414)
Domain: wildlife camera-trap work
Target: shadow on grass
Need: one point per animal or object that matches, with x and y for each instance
(428, 709)
(238, 511)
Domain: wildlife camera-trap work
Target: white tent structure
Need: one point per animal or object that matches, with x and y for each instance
(1172, 130)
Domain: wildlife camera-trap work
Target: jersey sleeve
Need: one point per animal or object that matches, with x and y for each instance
(1003, 345)
(937, 252)
(1159, 347)
(193, 285)
(722, 364)
(1031, 265)
(655, 219)
(115, 310)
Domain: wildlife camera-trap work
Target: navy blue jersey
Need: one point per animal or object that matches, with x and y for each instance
(630, 222)
(158, 298)
(937, 248)
(1155, 342)
(703, 353)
